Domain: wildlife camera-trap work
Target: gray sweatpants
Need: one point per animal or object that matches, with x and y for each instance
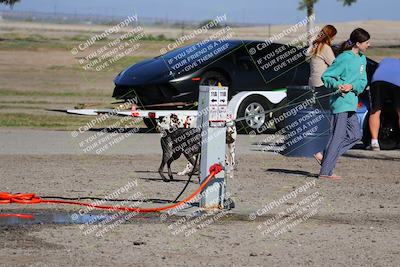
(345, 133)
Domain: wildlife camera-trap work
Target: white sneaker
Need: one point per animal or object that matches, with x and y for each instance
(374, 147)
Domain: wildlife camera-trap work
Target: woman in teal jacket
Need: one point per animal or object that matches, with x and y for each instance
(347, 78)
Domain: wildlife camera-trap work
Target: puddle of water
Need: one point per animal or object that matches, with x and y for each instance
(12, 218)
(56, 218)
(46, 218)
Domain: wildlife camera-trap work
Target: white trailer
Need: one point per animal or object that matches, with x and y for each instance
(253, 106)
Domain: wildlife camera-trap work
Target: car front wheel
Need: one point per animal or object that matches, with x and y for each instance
(212, 78)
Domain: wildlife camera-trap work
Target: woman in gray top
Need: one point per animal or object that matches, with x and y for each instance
(321, 57)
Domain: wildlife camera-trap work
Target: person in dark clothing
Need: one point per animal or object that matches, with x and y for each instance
(385, 84)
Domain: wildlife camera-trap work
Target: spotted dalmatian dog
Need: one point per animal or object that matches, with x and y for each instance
(169, 123)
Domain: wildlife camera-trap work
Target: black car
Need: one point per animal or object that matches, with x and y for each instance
(175, 76)
(241, 65)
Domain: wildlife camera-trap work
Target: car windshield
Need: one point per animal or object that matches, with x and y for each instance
(187, 58)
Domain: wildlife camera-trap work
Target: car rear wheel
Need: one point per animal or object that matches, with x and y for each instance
(388, 133)
(388, 138)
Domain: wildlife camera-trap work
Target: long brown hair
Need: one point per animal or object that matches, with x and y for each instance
(325, 36)
(359, 35)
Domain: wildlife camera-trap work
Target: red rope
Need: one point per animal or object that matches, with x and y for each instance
(18, 215)
(29, 198)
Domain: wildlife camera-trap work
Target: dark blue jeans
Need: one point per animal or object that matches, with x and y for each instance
(345, 133)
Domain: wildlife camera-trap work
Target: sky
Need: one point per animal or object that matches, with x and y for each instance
(251, 11)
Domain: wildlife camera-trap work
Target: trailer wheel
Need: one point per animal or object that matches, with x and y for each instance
(248, 110)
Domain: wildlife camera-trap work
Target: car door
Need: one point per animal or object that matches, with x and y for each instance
(246, 76)
(278, 63)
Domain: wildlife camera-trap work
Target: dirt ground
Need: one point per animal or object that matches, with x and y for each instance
(356, 223)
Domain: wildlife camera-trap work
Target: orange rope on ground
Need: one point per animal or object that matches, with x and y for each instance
(29, 198)
(17, 215)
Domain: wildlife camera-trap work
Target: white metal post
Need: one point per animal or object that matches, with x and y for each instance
(213, 104)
